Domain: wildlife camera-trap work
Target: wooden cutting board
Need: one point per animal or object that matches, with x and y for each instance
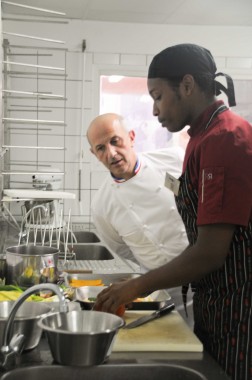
(168, 333)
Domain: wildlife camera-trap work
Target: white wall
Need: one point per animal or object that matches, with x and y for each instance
(111, 48)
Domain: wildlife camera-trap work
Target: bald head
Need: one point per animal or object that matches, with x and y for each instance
(102, 122)
(112, 142)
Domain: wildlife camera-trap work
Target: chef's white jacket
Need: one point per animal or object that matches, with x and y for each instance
(138, 218)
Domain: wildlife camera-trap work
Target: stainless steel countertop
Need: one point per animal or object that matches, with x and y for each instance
(201, 362)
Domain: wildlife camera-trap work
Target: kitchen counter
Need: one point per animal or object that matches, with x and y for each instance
(201, 362)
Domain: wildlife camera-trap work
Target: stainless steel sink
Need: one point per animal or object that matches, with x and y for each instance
(89, 252)
(106, 371)
(77, 237)
(85, 237)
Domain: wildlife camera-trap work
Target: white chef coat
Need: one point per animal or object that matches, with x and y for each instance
(138, 218)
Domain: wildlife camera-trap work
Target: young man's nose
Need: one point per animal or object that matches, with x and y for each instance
(155, 110)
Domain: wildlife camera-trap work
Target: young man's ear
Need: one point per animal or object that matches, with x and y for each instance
(188, 83)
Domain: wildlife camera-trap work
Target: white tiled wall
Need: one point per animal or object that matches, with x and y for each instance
(116, 49)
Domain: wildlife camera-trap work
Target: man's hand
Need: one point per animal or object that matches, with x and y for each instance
(115, 295)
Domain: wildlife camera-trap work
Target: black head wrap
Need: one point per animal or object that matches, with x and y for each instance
(182, 59)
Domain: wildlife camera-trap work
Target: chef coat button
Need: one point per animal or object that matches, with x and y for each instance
(131, 205)
(145, 226)
(159, 188)
(161, 245)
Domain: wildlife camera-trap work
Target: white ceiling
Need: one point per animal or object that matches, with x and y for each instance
(179, 12)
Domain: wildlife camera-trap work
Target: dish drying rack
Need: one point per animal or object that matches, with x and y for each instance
(39, 227)
(43, 224)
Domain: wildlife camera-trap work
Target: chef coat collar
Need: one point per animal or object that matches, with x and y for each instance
(136, 170)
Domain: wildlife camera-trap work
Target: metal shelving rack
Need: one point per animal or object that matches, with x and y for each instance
(12, 66)
(8, 93)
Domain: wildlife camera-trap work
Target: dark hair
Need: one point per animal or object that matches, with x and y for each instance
(205, 82)
(179, 60)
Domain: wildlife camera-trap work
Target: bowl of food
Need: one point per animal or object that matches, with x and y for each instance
(25, 321)
(81, 338)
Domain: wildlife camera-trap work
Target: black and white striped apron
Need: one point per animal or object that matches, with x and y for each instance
(222, 300)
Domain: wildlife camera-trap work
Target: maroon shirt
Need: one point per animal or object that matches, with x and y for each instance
(220, 167)
(216, 187)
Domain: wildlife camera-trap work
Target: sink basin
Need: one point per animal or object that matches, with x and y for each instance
(89, 252)
(107, 371)
(85, 237)
(78, 237)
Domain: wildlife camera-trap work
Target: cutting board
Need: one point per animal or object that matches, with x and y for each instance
(168, 333)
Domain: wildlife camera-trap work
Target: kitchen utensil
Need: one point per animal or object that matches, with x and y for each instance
(81, 338)
(28, 265)
(147, 318)
(25, 321)
(40, 213)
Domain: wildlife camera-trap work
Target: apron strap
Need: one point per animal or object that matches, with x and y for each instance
(229, 91)
(184, 297)
(184, 292)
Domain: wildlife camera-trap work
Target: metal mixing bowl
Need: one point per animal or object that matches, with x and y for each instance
(25, 321)
(29, 265)
(81, 338)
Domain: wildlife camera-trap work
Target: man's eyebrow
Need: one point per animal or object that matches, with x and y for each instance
(98, 146)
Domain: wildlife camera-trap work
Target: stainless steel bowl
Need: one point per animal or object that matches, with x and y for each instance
(29, 265)
(81, 338)
(25, 321)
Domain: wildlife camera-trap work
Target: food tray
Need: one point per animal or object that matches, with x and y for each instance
(154, 301)
(106, 279)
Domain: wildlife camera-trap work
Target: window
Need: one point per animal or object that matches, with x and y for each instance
(243, 95)
(129, 97)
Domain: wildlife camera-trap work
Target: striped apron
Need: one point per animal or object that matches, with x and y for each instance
(222, 300)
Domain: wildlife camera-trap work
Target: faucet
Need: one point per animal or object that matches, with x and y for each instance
(13, 347)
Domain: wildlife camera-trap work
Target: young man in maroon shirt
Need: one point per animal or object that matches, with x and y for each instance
(214, 199)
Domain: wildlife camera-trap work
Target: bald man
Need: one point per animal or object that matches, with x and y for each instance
(133, 212)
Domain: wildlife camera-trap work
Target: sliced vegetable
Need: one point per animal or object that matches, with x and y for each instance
(10, 287)
(77, 283)
(12, 293)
